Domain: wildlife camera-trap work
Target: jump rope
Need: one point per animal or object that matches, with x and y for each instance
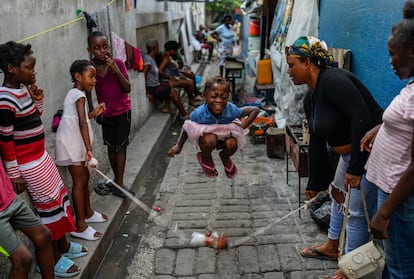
(156, 217)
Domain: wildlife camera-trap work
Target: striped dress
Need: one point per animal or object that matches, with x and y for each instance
(22, 147)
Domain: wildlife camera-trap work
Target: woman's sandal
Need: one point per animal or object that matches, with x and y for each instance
(338, 274)
(209, 171)
(76, 250)
(96, 217)
(62, 267)
(88, 234)
(230, 172)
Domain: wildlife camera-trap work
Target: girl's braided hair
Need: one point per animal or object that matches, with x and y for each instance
(79, 66)
(13, 53)
(218, 80)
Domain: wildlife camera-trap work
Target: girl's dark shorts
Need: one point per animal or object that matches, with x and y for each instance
(115, 130)
(160, 92)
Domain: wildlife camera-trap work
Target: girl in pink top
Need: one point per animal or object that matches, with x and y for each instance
(112, 88)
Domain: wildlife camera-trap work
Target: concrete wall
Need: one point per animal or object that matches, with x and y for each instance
(364, 27)
(56, 50)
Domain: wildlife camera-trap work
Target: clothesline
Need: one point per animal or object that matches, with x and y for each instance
(58, 26)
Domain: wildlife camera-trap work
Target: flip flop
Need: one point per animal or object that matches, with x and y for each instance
(317, 255)
(101, 188)
(230, 172)
(88, 234)
(61, 268)
(75, 251)
(96, 217)
(334, 275)
(206, 168)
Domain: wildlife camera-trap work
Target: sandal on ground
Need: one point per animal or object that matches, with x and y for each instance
(338, 274)
(62, 267)
(96, 217)
(316, 254)
(76, 250)
(230, 172)
(209, 171)
(102, 189)
(117, 192)
(88, 234)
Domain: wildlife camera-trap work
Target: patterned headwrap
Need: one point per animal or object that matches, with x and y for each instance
(317, 50)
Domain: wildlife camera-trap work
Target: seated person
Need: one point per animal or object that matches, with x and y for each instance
(169, 71)
(155, 90)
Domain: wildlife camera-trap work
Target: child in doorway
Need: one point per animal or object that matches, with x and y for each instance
(112, 88)
(22, 146)
(16, 214)
(216, 125)
(74, 146)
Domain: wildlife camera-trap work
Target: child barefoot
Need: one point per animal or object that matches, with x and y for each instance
(74, 146)
(22, 146)
(216, 125)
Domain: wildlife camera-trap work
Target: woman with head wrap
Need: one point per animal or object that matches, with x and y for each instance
(339, 110)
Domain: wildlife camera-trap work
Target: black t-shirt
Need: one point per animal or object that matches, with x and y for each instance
(340, 111)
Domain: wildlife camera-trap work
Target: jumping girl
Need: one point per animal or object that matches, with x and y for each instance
(216, 125)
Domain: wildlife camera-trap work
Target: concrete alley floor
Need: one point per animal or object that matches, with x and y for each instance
(240, 208)
(191, 202)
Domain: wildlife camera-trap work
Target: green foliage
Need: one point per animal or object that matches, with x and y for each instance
(222, 7)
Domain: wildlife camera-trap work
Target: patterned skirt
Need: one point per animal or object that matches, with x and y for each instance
(49, 195)
(222, 131)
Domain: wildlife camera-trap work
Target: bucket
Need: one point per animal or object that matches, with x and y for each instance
(275, 142)
(264, 72)
(254, 27)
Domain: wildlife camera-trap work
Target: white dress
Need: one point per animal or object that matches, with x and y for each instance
(70, 148)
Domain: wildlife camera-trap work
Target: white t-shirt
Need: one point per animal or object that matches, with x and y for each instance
(226, 35)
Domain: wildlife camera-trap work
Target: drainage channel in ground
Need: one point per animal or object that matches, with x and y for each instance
(126, 241)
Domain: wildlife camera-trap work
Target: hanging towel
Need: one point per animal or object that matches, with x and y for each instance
(138, 63)
(134, 58)
(118, 47)
(128, 4)
(130, 55)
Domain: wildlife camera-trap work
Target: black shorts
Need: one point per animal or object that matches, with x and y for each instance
(160, 92)
(115, 129)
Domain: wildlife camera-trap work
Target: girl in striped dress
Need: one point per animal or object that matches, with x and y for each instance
(22, 147)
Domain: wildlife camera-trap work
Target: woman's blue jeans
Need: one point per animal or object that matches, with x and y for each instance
(357, 228)
(399, 247)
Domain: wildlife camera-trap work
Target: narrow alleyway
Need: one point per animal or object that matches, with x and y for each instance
(257, 197)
